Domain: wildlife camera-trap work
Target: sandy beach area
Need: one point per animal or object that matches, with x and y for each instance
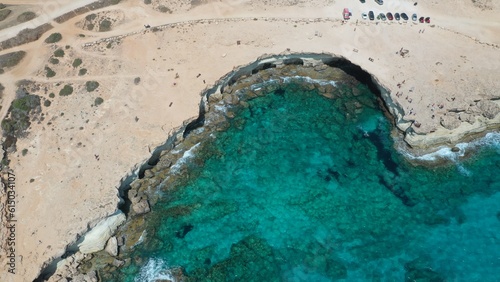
(441, 80)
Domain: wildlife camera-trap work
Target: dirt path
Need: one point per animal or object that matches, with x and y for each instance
(48, 10)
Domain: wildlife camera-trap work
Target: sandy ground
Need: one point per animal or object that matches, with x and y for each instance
(78, 154)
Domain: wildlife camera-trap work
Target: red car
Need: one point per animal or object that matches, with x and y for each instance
(389, 16)
(421, 19)
(428, 20)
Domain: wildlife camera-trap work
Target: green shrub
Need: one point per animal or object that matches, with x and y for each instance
(104, 25)
(50, 72)
(54, 61)
(2, 6)
(90, 17)
(26, 16)
(53, 38)
(98, 101)
(164, 9)
(67, 90)
(59, 53)
(90, 26)
(91, 85)
(52, 95)
(11, 59)
(147, 2)
(18, 119)
(24, 152)
(77, 62)
(82, 72)
(4, 14)
(137, 80)
(47, 103)
(81, 35)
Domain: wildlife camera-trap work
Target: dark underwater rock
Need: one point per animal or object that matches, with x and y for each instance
(251, 259)
(420, 271)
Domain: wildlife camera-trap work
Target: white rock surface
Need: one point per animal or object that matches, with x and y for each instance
(112, 246)
(96, 238)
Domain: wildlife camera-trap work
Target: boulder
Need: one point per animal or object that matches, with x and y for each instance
(450, 122)
(118, 263)
(488, 108)
(96, 238)
(467, 118)
(141, 207)
(112, 246)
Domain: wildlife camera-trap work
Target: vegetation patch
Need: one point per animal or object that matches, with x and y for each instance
(59, 53)
(91, 85)
(50, 72)
(98, 101)
(104, 25)
(18, 118)
(11, 59)
(137, 80)
(52, 95)
(24, 152)
(147, 2)
(164, 9)
(66, 91)
(4, 14)
(47, 103)
(53, 38)
(54, 61)
(26, 16)
(82, 72)
(91, 17)
(77, 62)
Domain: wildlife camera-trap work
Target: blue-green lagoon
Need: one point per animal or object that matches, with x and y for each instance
(303, 187)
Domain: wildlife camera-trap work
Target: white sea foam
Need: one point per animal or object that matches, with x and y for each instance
(141, 239)
(491, 140)
(185, 157)
(154, 270)
(289, 79)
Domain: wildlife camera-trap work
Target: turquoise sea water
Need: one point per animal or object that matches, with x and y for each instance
(305, 188)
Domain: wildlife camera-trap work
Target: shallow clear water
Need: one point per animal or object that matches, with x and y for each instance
(304, 188)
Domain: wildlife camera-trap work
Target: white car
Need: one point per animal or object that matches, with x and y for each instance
(364, 16)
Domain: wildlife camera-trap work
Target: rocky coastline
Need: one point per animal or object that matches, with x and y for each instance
(108, 250)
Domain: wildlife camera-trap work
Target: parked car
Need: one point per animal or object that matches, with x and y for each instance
(364, 16)
(414, 17)
(397, 17)
(380, 2)
(389, 16)
(404, 16)
(421, 20)
(428, 20)
(371, 15)
(381, 16)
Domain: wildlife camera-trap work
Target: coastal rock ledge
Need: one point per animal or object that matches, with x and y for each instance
(95, 240)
